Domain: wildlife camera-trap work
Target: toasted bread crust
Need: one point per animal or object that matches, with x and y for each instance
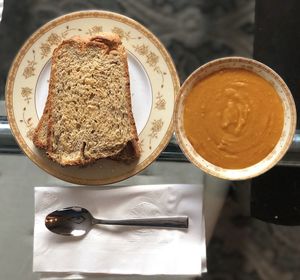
(40, 133)
(125, 152)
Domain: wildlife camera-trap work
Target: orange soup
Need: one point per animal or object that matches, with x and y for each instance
(233, 118)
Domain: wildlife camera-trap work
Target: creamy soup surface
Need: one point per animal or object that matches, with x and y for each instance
(233, 118)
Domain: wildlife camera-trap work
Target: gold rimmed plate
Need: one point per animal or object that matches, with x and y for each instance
(154, 84)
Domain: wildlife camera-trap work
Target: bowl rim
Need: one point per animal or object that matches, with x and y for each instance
(243, 173)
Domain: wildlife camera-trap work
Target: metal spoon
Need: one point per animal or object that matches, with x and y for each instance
(78, 221)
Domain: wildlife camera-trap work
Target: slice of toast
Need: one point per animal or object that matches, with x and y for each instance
(88, 112)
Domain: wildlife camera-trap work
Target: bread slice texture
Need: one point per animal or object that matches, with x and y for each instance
(88, 114)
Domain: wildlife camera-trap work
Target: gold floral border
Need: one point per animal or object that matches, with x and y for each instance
(15, 66)
(152, 60)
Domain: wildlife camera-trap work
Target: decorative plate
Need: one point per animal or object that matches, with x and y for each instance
(153, 80)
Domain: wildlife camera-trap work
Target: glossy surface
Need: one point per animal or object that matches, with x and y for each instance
(233, 118)
(77, 221)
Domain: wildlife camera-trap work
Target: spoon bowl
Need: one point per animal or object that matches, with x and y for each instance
(75, 221)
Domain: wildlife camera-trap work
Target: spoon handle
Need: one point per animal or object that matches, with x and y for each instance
(174, 222)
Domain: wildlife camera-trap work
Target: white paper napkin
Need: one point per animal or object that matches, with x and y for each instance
(118, 250)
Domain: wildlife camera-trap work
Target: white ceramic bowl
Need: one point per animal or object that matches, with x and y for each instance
(289, 118)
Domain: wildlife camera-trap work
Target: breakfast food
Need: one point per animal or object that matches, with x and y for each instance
(233, 118)
(88, 113)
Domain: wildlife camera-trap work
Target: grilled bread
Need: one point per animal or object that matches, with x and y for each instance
(88, 113)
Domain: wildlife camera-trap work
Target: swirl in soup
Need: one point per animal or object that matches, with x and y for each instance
(233, 118)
